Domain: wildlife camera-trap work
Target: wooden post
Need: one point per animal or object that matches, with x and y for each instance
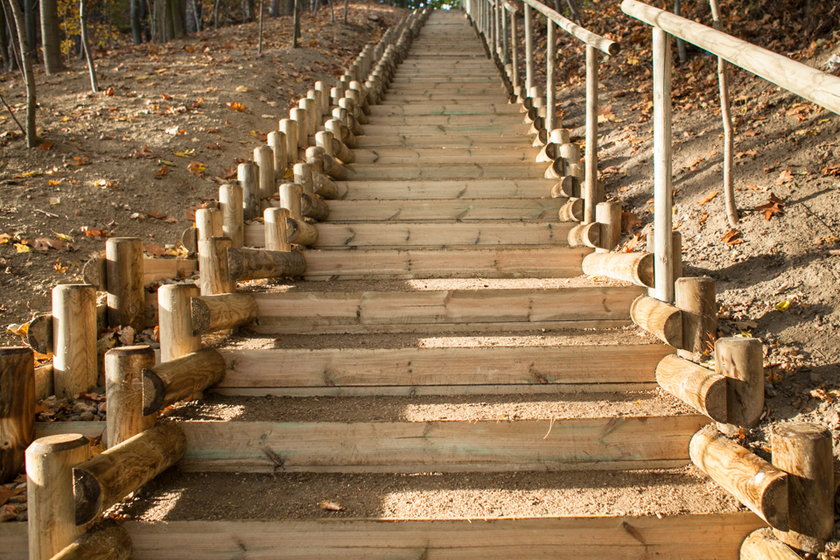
(741, 360)
(700, 388)
(208, 222)
(264, 156)
(313, 206)
(290, 130)
(124, 392)
(695, 296)
(222, 311)
(17, 408)
(176, 330)
(636, 268)
(761, 545)
(75, 368)
(290, 199)
(608, 215)
(233, 219)
(124, 278)
(49, 486)
(587, 235)
(662, 172)
(214, 273)
(753, 481)
(277, 142)
(804, 452)
(662, 320)
(253, 264)
(303, 177)
(324, 98)
(514, 51)
(276, 237)
(529, 51)
(107, 478)
(248, 177)
(109, 543)
(550, 60)
(170, 382)
(299, 116)
(590, 188)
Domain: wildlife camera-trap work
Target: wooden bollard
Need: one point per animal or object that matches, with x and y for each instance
(556, 169)
(75, 366)
(124, 392)
(698, 387)
(762, 545)
(254, 264)
(248, 177)
(636, 268)
(109, 477)
(176, 330)
(335, 169)
(695, 296)
(222, 311)
(301, 232)
(276, 237)
(290, 199)
(741, 361)
(289, 128)
(676, 252)
(571, 211)
(309, 105)
(804, 452)
(325, 140)
(169, 382)
(569, 152)
(17, 408)
(566, 187)
(277, 142)
(585, 235)
(324, 96)
(608, 214)
(233, 218)
(662, 320)
(575, 170)
(39, 333)
(325, 187)
(124, 278)
(264, 157)
(303, 177)
(214, 272)
(313, 206)
(108, 543)
(49, 486)
(753, 481)
(208, 222)
(299, 116)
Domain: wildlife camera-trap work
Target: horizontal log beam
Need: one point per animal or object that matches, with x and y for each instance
(662, 320)
(636, 268)
(169, 382)
(253, 264)
(222, 311)
(700, 388)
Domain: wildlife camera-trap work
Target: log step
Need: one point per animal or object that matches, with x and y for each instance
(521, 141)
(380, 172)
(385, 110)
(460, 209)
(509, 120)
(447, 189)
(477, 130)
(428, 235)
(426, 156)
(442, 310)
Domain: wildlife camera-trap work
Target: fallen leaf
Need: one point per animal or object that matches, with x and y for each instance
(832, 170)
(703, 217)
(45, 145)
(709, 197)
(732, 237)
(186, 153)
(44, 244)
(773, 208)
(242, 89)
(329, 505)
(81, 160)
(237, 106)
(161, 172)
(21, 248)
(784, 177)
(783, 305)
(197, 168)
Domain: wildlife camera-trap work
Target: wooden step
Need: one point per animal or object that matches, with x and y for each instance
(395, 139)
(428, 235)
(451, 189)
(443, 310)
(512, 120)
(484, 154)
(460, 209)
(540, 262)
(384, 110)
(477, 130)
(379, 172)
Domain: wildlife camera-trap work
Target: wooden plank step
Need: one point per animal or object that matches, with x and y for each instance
(460, 209)
(464, 188)
(512, 120)
(443, 109)
(443, 310)
(582, 368)
(713, 537)
(434, 80)
(364, 171)
(394, 139)
(480, 154)
(428, 235)
(422, 101)
(542, 262)
(477, 130)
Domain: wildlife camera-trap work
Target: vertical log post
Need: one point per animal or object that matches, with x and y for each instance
(290, 129)
(804, 451)
(17, 408)
(591, 190)
(299, 116)
(124, 392)
(514, 52)
(608, 216)
(662, 171)
(695, 296)
(124, 279)
(303, 177)
(276, 236)
(290, 194)
(233, 219)
(176, 329)
(740, 360)
(264, 156)
(529, 52)
(75, 367)
(277, 142)
(550, 61)
(248, 177)
(214, 272)
(49, 485)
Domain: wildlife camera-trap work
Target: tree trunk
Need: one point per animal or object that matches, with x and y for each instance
(136, 18)
(345, 11)
(332, 11)
(274, 8)
(30, 17)
(50, 37)
(86, 46)
(193, 20)
(260, 17)
(28, 76)
(247, 10)
(681, 54)
(296, 28)
(169, 20)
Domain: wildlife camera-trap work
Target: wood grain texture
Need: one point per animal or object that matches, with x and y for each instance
(108, 543)
(698, 387)
(254, 264)
(221, 311)
(177, 379)
(762, 545)
(17, 408)
(75, 367)
(124, 279)
(636, 268)
(124, 392)
(662, 320)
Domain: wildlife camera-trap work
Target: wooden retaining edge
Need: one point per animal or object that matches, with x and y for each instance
(221, 311)
(636, 268)
(175, 380)
(762, 545)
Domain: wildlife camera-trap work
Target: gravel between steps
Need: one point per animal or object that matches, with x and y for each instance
(176, 496)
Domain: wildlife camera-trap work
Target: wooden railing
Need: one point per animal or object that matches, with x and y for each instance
(497, 22)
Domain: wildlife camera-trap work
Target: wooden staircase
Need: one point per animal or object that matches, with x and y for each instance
(443, 383)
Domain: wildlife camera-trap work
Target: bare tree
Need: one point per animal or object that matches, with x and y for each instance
(296, 27)
(345, 11)
(86, 46)
(28, 76)
(50, 37)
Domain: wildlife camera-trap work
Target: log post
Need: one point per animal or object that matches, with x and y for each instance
(636, 268)
(208, 222)
(254, 264)
(698, 387)
(17, 408)
(662, 320)
(324, 96)
(586, 235)
(49, 486)
(107, 478)
(591, 190)
(326, 141)
(221, 311)
(313, 206)
(753, 481)
(571, 211)
(108, 543)
(662, 166)
(233, 218)
(290, 129)
(290, 199)
(276, 236)
(169, 382)
(695, 296)
(761, 545)
(565, 187)
(264, 157)
(277, 142)
(177, 335)
(303, 177)
(124, 392)
(608, 214)
(804, 452)
(299, 116)
(301, 232)
(248, 177)
(75, 368)
(124, 278)
(741, 361)
(214, 273)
